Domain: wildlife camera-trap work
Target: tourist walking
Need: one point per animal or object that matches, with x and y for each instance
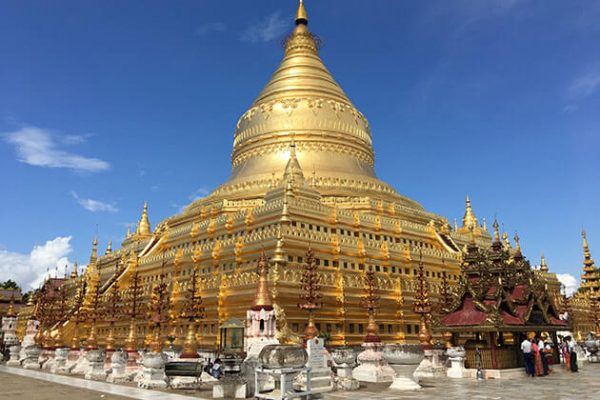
(528, 357)
(542, 353)
(566, 353)
(537, 358)
(571, 344)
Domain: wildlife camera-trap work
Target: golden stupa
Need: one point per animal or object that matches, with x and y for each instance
(303, 174)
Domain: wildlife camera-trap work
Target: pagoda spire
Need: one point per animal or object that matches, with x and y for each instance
(543, 265)
(143, 226)
(496, 231)
(588, 262)
(293, 172)
(263, 297)
(301, 15)
(108, 248)
(93, 256)
(74, 272)
(469, 220)
(590, 279)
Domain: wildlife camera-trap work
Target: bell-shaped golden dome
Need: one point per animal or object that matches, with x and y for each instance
(303, 104)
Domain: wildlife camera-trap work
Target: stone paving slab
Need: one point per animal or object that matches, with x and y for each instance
(17, 384)
(81, 389)
(560, 385)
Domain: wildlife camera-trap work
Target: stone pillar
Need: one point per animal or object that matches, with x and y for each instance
(9, 327)
(29, 339)
(432, 366)
(153, 372)
(118, 371)
(456, 355)
(372, 366)
(321, 374)
(14, 356)
(95, 370)
(344, 360)
(81, 364)
(60, 361)
(32, 355)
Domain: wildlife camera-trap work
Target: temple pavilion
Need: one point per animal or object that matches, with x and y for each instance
(500, 299)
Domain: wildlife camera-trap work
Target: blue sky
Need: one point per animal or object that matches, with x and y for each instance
(106, 104)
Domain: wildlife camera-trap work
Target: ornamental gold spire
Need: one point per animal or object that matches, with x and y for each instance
(469, 220)
(588, 262)
(301, 15)
(543, 265)
(108, 248)
(74, 272)
(143, 226)
(11, 307)
(590, 279)
(263, 297)
(496, 231)
(293, 172)
(93, 256)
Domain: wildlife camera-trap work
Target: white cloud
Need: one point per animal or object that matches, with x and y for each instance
(210, 27)
(585, 85)
(201, 192)
(94, 205)
(40, 148)
(266, 30)
(29, 270)
(569, 281)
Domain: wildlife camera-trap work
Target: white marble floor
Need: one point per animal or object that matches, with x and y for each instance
(103, 387)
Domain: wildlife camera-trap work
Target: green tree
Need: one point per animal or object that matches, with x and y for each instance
(10, 284)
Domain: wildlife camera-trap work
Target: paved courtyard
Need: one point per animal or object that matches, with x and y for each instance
(560, 385)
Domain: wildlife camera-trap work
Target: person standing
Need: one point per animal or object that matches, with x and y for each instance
(542, 347)
(566, 355)
(528, 357)
(572, 354)
(537, 358)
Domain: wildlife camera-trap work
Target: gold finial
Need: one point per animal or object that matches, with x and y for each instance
(496, 231)
(455, 225)
(588, 262)
(108, 248)
(143, 227)
(301, 15)
(586, 248)
(517, 244)
(484, 225)
(94, 255)
(543, 265)
(128, 230)
(11, 307)
(506, 240)
(469, 219)
(262, 298)
(74, 272)
(30, 302)
(293, 172)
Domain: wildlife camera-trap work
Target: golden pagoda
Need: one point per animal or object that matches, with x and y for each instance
(584, 305)
(303, 174)
(590, 279)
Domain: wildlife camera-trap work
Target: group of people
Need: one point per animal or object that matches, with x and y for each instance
(537, 355)
(567, 348)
